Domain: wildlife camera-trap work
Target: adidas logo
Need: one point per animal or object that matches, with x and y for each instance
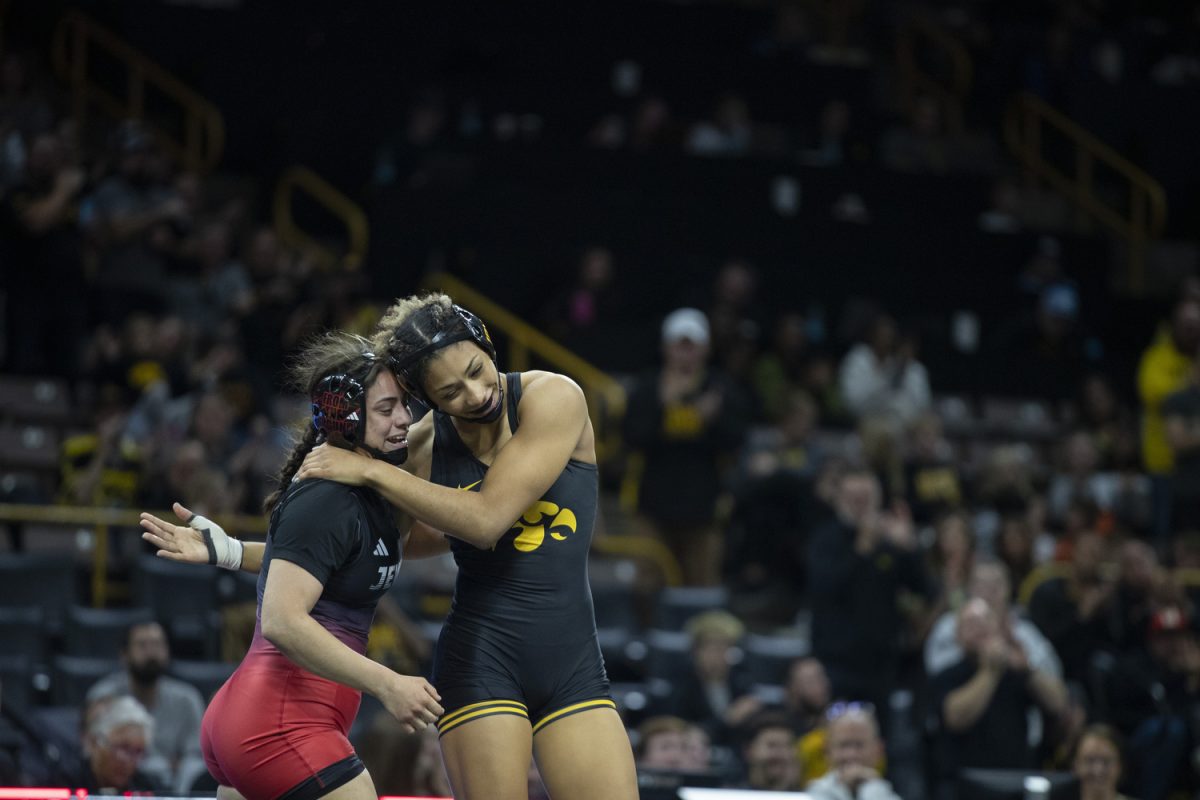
(381, 549)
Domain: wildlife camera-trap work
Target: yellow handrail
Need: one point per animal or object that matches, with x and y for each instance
(606, 397)
(352, 216)
(950, 91)
(77, 36)
(243, 525)
(102, 519)
(1146, 216)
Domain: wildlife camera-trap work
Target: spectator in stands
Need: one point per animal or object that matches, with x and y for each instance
(585, 311)
(40, 219)
(735, 318)
(217, 287)
(951, 559)
(662, 744)
(983, 699)
(1155, 699)
(1119, 496)
(714, 692)
(1015, 545)
(729, 133)
(855, 749)
(769, 754)
(652, 127)
(1144, 586)
(932, 482)
(173, 751)
(1165, 368)
(881, 376)
(278, 276)
(919, 147)
(773, 509)
(858, 564)
(135, 220)
(1003, 214)
(117, 735)
(780, 370)
(697, 749)
(25, 113)
(807, 694)
(990, 582)
(1046, 347)
(1098, 764)
(1181, 420)
(832, 144)
(101, 466)
(1078, 613)
(820, 379)
(685, 418)
(1109, 423)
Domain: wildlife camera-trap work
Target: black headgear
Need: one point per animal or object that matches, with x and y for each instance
(339, 409)
(471, 329)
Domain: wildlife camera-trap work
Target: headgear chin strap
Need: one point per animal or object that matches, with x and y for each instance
(471, 329)
(339, 414)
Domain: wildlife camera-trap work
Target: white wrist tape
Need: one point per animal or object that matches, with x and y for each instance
(223, 549)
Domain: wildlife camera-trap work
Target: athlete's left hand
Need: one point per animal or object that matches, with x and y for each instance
(334, 464)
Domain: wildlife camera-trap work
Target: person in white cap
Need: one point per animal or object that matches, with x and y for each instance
(685, 418)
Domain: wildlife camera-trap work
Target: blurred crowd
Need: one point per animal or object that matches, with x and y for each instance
(979, 581)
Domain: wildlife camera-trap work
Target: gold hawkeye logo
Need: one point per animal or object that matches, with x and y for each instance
(532, 525)
(531, 528)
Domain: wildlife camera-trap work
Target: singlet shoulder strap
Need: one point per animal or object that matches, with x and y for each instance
(514, 399)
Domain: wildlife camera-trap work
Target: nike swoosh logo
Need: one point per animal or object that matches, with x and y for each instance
(471, 486)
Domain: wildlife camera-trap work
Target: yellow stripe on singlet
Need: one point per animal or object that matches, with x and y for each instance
(562, 712)
(511, 705)
(491, 710)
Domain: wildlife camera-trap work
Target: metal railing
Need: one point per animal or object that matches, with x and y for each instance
(303, 179)
(606, 397)
(920, 35)
(1025, 127)
(101, 521)
(79, 40)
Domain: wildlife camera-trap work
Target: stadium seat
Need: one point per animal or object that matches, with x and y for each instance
(30, 447)
(23, 630)
(769, 657)
(668, 654)
(184, 599)
(100, 632)
(37, 399)
(16, 677)
(615, 606)
(619, 662)
(207, 676)
(677, 604)
(74, 675)
(45, 580)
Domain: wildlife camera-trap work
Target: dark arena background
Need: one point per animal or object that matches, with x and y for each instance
(887, 315)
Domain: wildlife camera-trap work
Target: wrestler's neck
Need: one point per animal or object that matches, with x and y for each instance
(483, 439)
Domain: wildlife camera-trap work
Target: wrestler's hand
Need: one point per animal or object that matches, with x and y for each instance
(334, 464)
(200, 541)
(412, 700)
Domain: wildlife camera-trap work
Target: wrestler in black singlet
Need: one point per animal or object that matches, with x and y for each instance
(521, 635)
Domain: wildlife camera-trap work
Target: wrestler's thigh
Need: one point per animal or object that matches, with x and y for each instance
(488, 758)
(587, 756)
